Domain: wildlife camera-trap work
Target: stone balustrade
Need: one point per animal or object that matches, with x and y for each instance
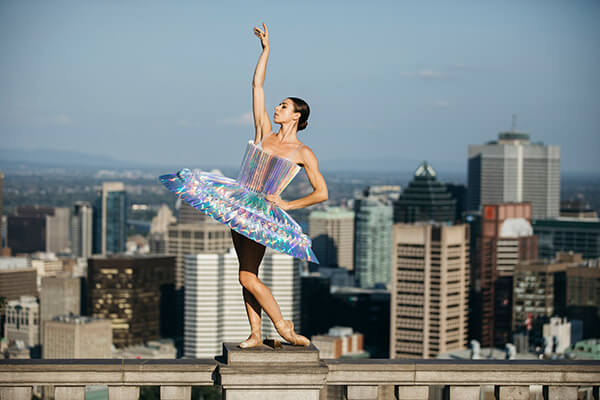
(297, 373)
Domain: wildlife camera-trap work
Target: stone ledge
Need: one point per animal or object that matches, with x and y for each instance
(263, 354)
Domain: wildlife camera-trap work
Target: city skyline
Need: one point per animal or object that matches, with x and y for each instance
(384, 81)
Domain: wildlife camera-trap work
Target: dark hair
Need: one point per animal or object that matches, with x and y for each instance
(302, 107)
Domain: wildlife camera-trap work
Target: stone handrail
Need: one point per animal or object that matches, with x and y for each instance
(298, 373)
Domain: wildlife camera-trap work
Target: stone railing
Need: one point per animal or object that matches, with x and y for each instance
(298, 373)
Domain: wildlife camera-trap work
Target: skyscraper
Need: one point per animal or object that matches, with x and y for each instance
(214, 305)
(503, 237)
(568, 234)
(81, 230)
(425, 199)
(135, 293)
(332, 234)
(512, 169)
(110, 219)
(430, 283)
(373, 241)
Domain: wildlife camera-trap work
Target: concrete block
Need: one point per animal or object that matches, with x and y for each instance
(412, 392)
(264, 354)
(69, 393)
(175, 392)
(562, 392)
(354, 392)
(123, 392)
(464, 392)
(514, 392)
(15, 393)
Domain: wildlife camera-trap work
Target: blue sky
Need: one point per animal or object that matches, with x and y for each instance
(169, 82)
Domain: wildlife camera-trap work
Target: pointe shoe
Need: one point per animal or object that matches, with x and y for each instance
(286, 329)
(253, 340)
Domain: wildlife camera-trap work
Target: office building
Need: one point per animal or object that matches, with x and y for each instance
(459, 192)
(568, 234)
(110, 219)
(158, 229)
(35, 228)
(75, 336)
(372, 241)
(577, 208)
(22, 321)
(214, 305)
(208, 236)
(430, 281)
(503, 238)
(535, 284)
(17, 278)
(60, 295)
(82, 230)
(425, 199)
(332, 234)
(135, 293)
(340, 341)
(512, 169)
(186, 214)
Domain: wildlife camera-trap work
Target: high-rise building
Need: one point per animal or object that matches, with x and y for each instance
(514, 170)
(186, 214)
(135, 293)
(208, 236)
(373, 241)
(503, 237)
(17, 278)
(159, 228)
(57, 230)
(568, 234)
(214, 305)
(332, 234)
(81, 230)
(430, 280)
(60, 295)
(74, 336)
(583, 296)
(425, 199)
(22, 321)
(35, 228)
(110, 219)
(459, 192)
(534, 292)
(578, 208)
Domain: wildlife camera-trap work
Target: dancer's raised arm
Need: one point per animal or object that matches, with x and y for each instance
(262, 123)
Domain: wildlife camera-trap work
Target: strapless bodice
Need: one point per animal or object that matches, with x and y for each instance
(265, 173)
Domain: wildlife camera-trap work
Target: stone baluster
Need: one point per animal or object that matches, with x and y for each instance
(69, 393)
(175, 392)
(123, 392)
(355, 392)
(15, 393)
(412, 392)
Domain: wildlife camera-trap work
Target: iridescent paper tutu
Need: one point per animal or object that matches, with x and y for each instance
(240, 204)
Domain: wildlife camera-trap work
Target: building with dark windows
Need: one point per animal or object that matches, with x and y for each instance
(514, 170)
(568, 234)
(135, 293)
(81, 229)
(425, 199)
(110, 219)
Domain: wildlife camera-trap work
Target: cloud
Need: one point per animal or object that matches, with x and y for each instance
(61, 119)
(184, 123)
(245, 119)
(441, 104)
(429, 74)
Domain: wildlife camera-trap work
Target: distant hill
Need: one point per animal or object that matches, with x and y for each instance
(58, 158)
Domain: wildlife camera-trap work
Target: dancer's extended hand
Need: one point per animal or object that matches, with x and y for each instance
(262, 35)
(278, 201)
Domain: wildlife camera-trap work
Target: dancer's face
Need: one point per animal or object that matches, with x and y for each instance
(284, 112)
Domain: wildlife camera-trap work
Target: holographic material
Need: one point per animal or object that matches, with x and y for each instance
(241, 205)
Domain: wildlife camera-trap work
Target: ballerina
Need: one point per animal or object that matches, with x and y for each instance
(251, 205)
